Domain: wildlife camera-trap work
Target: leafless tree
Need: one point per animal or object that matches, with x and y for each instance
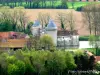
(94, 10)
(87, 19)
(44, 19)
(71, 21)
(16, 18)
(66, 20)
(92, 16)
(19, 19)
(61, 18)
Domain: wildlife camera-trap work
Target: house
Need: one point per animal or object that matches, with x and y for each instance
(60, 38)
(13, 40)
(68, 39)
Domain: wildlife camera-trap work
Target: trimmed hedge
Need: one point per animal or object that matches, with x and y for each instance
(79, 8)
(83, 38)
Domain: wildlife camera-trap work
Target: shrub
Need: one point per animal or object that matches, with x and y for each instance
(84, 62)
(55, 63)
(11, 59)
(70, 61)
(59, 62)
(28, 28)
(83, 38)
(97, 66)
(47, 42)
(15, 66)
(21, 67)
(79, 8)
(92, 40)
(12, 69)
(3, 64)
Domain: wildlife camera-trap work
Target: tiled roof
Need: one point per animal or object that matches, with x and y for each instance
(66, 32)
(97, 58)
(11, 35)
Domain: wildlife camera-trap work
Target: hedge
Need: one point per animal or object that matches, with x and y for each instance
(83, 38)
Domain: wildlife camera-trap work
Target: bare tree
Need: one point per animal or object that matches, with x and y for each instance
(87, 19)
(61, 18)
(19, 19)
(71, 21)
(44, 19)
(23, 19)
(16, 19)
(95, 17)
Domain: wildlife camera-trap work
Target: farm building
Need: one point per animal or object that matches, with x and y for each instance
(9, 40)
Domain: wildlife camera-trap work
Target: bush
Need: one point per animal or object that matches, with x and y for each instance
(12, 69)
(97, 66)
(83, 38)
(21, 67)
(92, 40)
(55, 63)
(47, 42)
(84, 62)
(79, 8)
(98, 52)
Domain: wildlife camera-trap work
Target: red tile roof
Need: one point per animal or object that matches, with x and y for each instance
(4, 35)
(97, 58)
(11, 35)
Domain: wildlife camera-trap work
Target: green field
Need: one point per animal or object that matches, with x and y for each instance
(79, 4)
(56, 4)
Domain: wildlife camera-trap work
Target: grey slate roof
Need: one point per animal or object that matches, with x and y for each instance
(36, 23)
(51, 25)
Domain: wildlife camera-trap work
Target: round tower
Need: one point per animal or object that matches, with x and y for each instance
(51, 30)
(35, 29)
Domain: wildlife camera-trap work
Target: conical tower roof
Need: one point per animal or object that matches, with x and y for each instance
(51, 25)
(36, 23)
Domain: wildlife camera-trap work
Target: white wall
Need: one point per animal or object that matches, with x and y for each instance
(35, 31)
(53, 34)
(84, 44)
(73, 40)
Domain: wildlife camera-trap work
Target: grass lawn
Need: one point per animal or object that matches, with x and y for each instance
(93, 50)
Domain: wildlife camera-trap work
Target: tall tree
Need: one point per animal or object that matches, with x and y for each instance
(95, 16)
(87, 18)
(16, 19)
(44, 19)
(71, 21)
(61, 18)
(64, 4)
